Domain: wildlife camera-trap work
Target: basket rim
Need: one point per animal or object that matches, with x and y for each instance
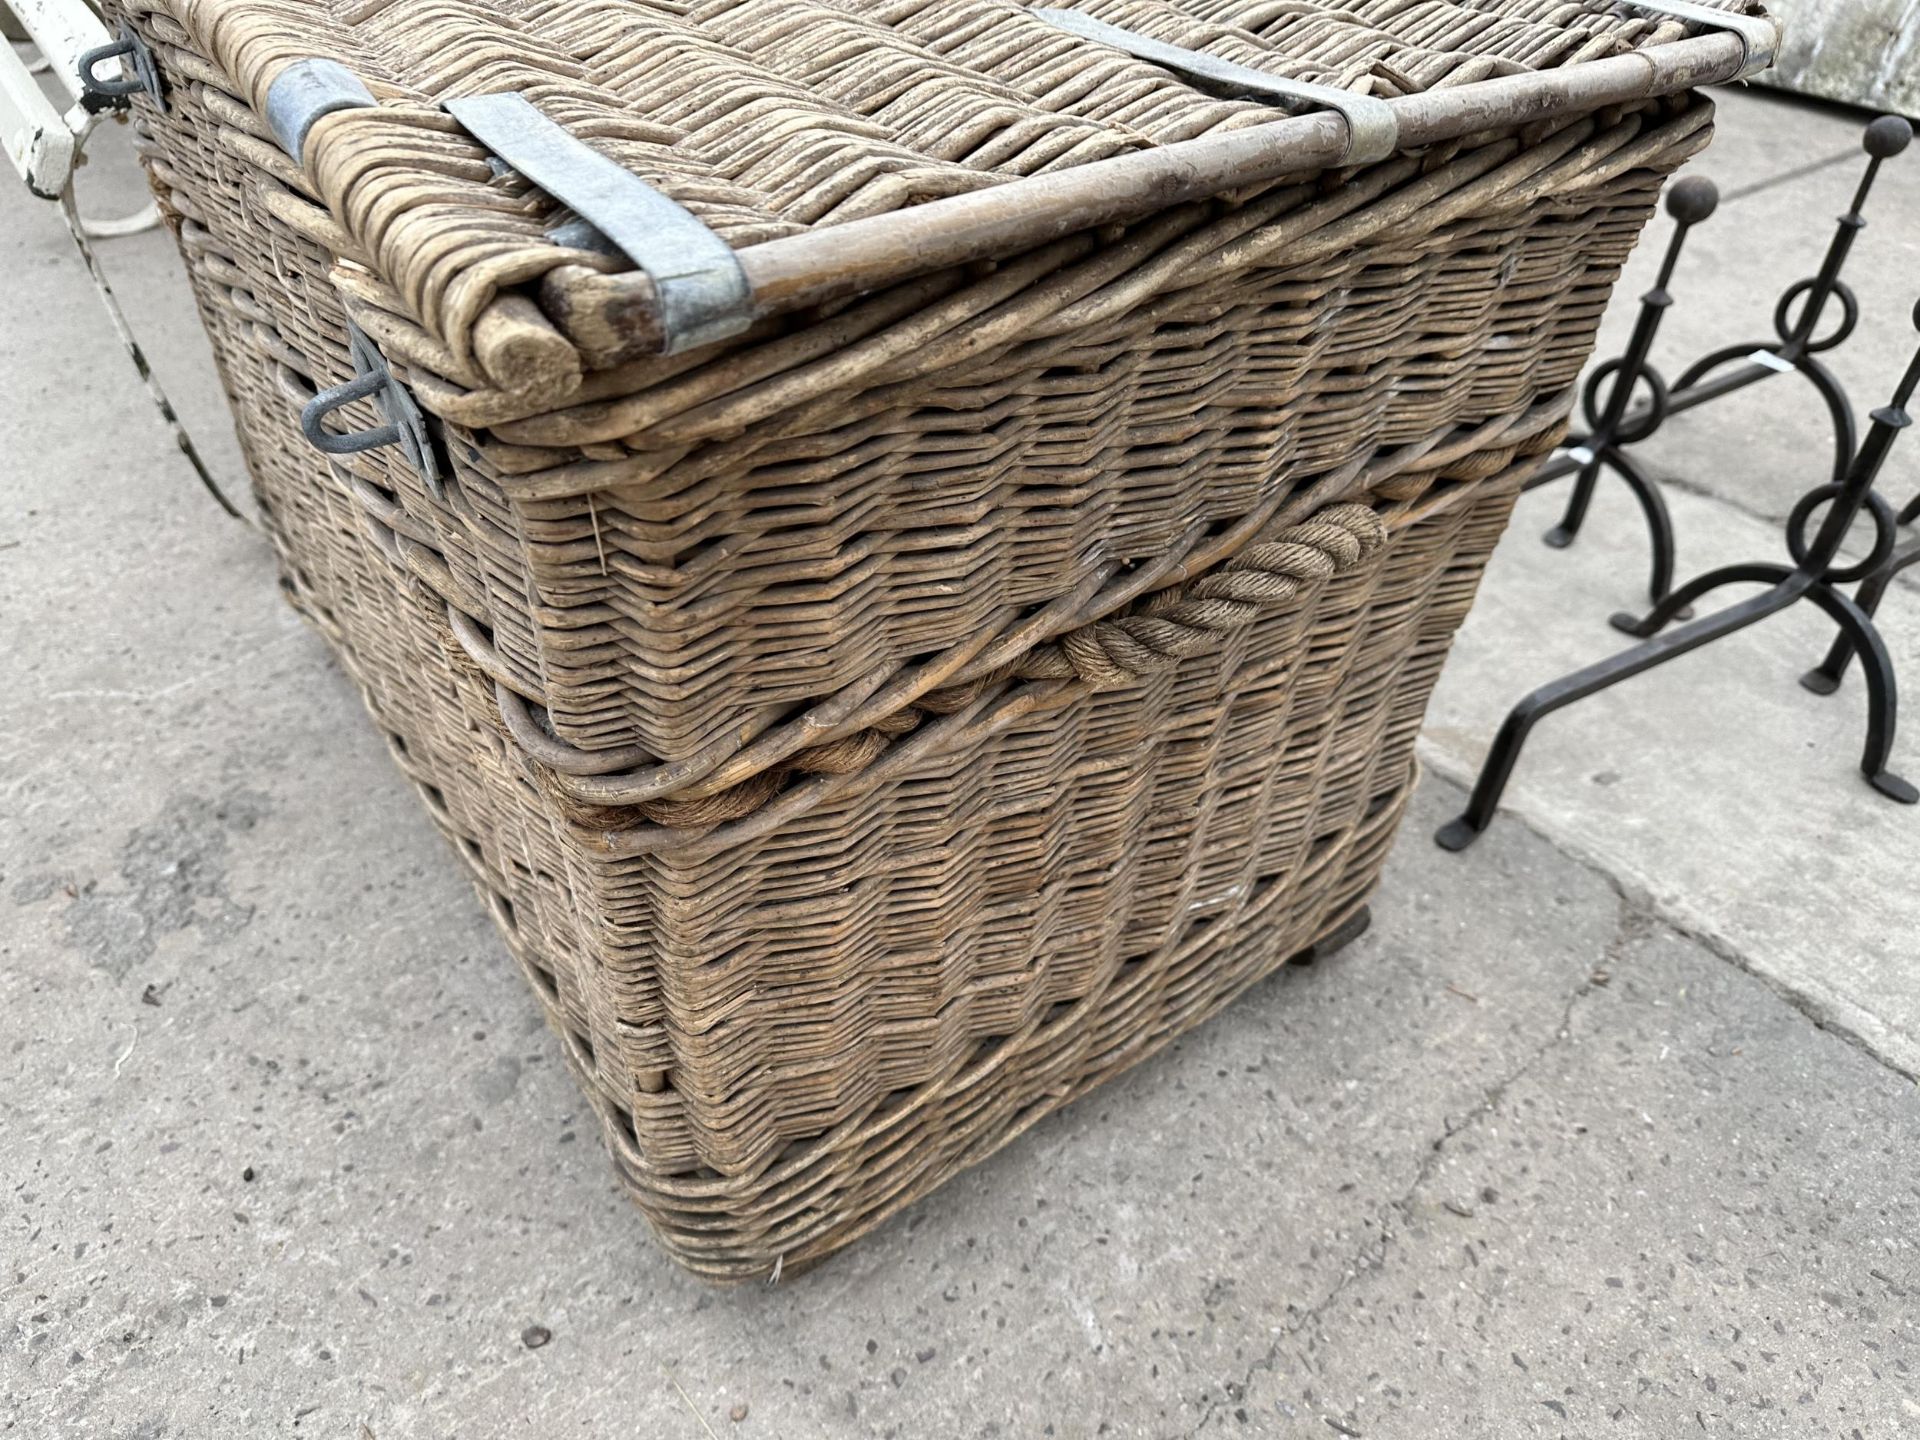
(860, 256)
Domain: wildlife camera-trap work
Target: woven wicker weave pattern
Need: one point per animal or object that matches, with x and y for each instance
(1018, 432)
(876, 730)
(1188, 849)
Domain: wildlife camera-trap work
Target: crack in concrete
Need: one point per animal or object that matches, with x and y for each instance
(1633, 924)
(1720, 947)
(1671, 479)
(1641, 916)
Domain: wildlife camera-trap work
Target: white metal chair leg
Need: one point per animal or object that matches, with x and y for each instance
(42, 139)
(145, 218)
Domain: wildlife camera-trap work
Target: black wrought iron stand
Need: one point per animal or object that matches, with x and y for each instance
(1815, 575)
(1797, 348)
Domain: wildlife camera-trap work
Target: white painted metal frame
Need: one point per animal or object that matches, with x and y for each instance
(42, 141)
(46, 144)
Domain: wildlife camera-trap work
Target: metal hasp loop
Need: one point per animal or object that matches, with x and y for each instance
(1372, 131)
(1759, 34)
(405, 427)
(97, 94)
(306, 90)
(702, 293)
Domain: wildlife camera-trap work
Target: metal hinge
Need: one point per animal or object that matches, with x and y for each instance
(97, 94)
(406, 426)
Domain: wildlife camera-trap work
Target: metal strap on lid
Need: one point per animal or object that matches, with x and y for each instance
(306, 90)
(1759, 34)
(1372, 132)
(703, 294)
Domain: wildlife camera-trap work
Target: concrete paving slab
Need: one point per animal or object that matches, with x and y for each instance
(1760, 135)
(336, 1173)
(1662, 1226)
(1715, 787)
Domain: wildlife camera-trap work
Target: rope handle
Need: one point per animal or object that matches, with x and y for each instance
(1173, 625)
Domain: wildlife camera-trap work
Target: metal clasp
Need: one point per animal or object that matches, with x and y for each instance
(1759, 34)
(97, 94)
(1373, 132)
(406, 425)
(702, 294)
(305, 91)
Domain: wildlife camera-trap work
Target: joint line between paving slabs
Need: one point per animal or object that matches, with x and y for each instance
(1812, 167)
(1805, 1004)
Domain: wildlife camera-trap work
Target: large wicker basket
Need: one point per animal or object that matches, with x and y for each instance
(892, 671)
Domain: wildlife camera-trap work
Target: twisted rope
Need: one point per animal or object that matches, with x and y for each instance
(1189, 619)
(1171, 626)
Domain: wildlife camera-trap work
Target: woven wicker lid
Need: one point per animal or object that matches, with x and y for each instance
(768, 116)
(777, 124)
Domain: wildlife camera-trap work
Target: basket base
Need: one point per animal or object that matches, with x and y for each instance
(1336, 939)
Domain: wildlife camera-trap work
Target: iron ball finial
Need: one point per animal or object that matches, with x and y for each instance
(1887, 137)
(1693, 199)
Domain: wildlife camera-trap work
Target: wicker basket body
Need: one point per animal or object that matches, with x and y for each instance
(878, 728)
